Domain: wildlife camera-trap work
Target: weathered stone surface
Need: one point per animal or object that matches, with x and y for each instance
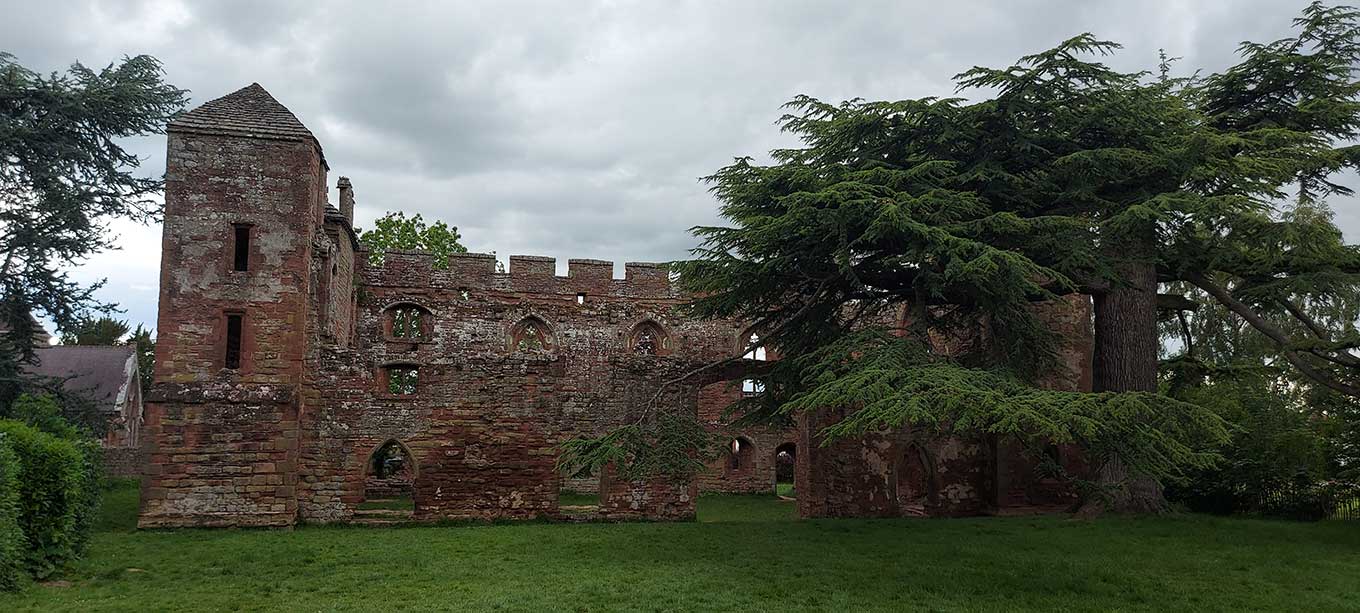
(508, 365)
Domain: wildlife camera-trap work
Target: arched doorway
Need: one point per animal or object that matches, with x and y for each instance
(389, 479)
(785, 460)
(913, 481)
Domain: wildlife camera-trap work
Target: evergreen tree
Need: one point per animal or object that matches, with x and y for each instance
(1072, 178)
(146, 354)
(102, 331)
(63, 175)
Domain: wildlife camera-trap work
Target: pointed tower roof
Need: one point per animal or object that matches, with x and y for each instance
(249, 111)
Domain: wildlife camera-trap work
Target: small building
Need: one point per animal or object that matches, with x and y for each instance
(108, 376)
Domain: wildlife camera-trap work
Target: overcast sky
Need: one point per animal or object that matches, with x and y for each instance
(575, 129)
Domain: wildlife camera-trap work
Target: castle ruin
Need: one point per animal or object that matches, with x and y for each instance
(290, 371)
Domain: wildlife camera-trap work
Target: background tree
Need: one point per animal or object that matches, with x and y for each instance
(96, 331)
(146, 353)
(63, 175)
(1071, 178)
(396, 231)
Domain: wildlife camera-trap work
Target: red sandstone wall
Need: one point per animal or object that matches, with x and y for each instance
(901, 473)
(486, 421)
(222, 444)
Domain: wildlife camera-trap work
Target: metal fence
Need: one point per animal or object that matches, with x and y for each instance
(1313, 502)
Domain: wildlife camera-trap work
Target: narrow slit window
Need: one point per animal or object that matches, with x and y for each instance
(581, 298)
(241, 253)
(233, 359)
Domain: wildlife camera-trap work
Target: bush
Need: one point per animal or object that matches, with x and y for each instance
(11, 537)
(1275, 450)
(55, 497)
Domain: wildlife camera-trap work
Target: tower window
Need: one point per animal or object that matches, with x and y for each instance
(233, 357)
(241, 251)
(408, 322)
(581, 298)
(402, 380)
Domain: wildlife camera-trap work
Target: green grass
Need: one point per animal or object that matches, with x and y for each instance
(745, 553)
(388, 504)
(784, 489)
(569, 498)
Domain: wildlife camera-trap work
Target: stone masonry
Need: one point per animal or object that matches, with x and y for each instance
(286, 360)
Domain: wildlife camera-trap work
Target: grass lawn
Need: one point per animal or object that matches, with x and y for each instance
(745, 553)
(577, 499)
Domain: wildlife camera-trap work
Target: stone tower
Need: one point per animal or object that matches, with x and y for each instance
(245, 201)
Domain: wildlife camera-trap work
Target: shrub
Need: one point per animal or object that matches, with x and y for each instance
(1275, 450)
(54, 497)
(11, 537)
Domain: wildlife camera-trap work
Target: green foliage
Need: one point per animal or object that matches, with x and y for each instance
(146, 354)
(893, 381)
(63, 175)
(11, 535)
(45, 414)
(395, 231)
(658, 443)
(56, 503)
(1274, 445)
(1068, 177)
(101, 331)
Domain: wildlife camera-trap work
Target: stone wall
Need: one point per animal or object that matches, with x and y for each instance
(901, 472)
(221, 442)
(123, 462)
(500, 369)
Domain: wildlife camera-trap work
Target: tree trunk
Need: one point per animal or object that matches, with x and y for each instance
(1126, 345)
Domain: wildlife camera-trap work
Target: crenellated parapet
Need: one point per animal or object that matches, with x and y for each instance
(526, 274)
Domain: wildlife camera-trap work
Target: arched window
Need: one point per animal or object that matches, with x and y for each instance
(408, 321)
(740, 455)
(649, 339)
(751, 387)
(531, 334)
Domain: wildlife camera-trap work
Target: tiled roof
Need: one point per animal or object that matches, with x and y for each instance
(249, 111)
(99, 372)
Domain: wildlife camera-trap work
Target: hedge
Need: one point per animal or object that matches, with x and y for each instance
(58, 491)
(11, 537)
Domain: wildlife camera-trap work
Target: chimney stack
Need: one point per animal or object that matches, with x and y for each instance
(346, 199)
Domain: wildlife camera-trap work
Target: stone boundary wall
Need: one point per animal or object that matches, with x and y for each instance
(124, 462)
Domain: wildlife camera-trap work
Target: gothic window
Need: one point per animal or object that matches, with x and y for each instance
(649, 339)
(401, 380)
(530, 335)
(408, 322)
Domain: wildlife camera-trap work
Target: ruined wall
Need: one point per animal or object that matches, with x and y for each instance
(222, 443)
(899, 472)
(123, 462)
(486, 419)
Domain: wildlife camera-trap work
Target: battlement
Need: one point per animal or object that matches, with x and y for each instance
(527, 273)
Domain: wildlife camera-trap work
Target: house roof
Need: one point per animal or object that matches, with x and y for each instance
(250, 111)
(101, 372)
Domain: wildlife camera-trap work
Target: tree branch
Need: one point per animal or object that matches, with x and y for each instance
(1275, 334)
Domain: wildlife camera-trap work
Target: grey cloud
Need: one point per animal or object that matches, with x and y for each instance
(580, 129)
